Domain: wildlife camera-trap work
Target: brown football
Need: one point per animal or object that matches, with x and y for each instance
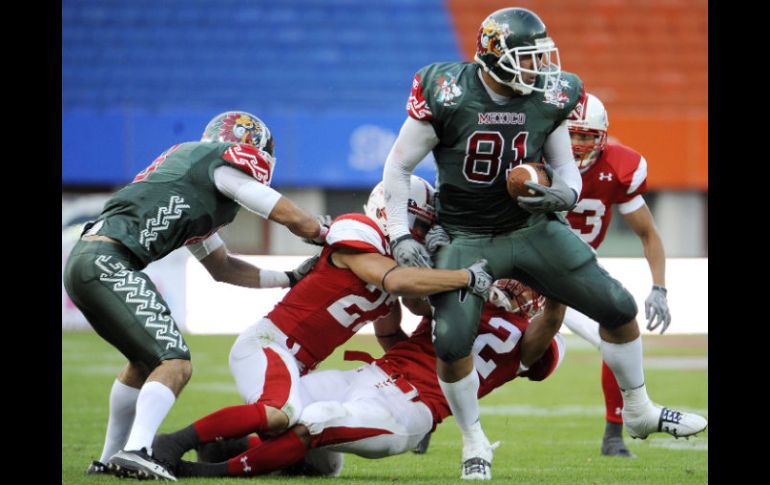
(521, 173)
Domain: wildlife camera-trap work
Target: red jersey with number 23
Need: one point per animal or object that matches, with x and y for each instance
(618, 177)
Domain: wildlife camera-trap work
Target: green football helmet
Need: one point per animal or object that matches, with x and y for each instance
(239, 127)
(512, 35)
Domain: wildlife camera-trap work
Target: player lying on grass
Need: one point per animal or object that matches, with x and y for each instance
(381, 409)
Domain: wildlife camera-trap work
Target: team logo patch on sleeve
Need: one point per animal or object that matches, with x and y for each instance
(555, 94)
(447, 90)
(251, 160)
(416, 106)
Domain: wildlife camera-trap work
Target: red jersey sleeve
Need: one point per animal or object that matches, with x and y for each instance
(631, 170)
(416, 106)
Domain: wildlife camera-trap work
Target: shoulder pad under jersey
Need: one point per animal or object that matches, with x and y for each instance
(356, 231)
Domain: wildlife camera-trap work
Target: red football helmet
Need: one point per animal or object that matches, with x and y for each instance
(421, 209)
(514, 296)
(587, 126)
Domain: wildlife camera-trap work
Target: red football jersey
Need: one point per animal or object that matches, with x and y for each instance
(330, 304)
(495, 356)
(619, 176)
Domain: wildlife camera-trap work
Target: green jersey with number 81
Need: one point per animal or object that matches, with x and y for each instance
(480, 140)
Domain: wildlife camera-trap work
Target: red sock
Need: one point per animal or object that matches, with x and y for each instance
(268, 456)
(254, 440)
(231, 422)
(613, 400)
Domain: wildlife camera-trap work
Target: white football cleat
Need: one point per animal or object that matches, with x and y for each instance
(477, 461)
(659, 419)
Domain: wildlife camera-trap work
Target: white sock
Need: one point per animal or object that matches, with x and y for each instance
(462, 397)
(625, 361)
(636, 401)
(153, 404)
(122, 407)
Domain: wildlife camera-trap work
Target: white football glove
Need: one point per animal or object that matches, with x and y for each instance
(656, 306)
(479, 279)
(435, 238)
(408, 252)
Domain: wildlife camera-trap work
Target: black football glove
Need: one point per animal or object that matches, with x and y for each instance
(302, 270)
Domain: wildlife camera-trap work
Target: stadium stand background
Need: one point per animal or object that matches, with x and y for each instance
(331, 77)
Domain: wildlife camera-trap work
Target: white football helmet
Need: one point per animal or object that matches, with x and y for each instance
(421, 210)
(514, 296)
(588, 131)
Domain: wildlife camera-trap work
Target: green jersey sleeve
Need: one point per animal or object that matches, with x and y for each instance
(560, 100)
(435, 93)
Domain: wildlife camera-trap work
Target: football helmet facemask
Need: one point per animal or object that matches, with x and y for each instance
(587, 126)
(512, 35)
(514, 296)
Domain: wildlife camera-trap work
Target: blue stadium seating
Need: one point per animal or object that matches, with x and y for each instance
(278, 49)
(134, 58)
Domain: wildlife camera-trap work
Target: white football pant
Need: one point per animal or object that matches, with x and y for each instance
(363, 411)
(265, 369)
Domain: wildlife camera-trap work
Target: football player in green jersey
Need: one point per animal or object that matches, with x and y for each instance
(181, 199)
(480, 119)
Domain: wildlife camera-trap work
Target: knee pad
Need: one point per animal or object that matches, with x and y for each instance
(624, 309)
(455, 324)
(450, 343)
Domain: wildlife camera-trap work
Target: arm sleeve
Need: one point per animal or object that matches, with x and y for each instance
(558, 153)
(415, 140)
(201, 249)
(246, 191)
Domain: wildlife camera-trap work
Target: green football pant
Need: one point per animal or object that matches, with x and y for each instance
(122, 304)
(545, 255)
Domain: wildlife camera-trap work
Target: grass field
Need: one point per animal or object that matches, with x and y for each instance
(550, 431)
